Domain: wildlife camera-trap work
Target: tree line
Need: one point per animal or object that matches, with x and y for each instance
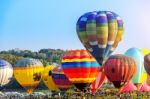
(46, 56)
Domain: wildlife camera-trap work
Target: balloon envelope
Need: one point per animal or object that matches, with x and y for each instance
(138, 57)
(28, 73)
(129, 87)
(60, 79)
(98, 82)
(119, 69)
(47, 78)
(6, 72)
(144, 87)
(144, 74)
(145, 51)
(147, 63)
(100, 32)
(80, 67)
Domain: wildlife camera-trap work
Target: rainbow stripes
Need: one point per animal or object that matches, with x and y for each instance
(79, 66)
(60, 79)
(100, 32)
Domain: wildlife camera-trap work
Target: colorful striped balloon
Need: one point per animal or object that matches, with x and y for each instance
(98, 82)
(100, 32)
(80, 67)
(28, 73)
(6, 72)
(60, 79)
(119, 69)
(47, 78)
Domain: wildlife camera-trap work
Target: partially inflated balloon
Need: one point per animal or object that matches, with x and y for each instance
(80, 67)
(28, 73)
(98, 82)
(144, 74)
(100, 32)
(138, 57)
(147, 63)
(6, 72)
(60, 79)
(119, 69)
(144, 87)
(129, 87)
(47, 78)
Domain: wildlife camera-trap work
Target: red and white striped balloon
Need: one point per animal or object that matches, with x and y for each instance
(98, 82)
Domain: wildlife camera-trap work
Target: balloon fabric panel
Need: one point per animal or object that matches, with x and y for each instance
(100, 32)
(119, 69)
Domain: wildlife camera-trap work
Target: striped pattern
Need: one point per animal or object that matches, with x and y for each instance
(28, 73)
(100, 32)
(60, 79)
(47, 78)
(6, 72)
(98, 82)
(119, 69)
(79, 66)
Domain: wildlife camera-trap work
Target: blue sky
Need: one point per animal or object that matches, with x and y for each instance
(36, 24)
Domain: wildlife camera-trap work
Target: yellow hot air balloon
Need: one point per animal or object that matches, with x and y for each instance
(28, 73)
(144, 74)
(47, 78)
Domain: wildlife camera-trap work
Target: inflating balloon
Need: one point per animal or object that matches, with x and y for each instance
(60, 79)
(144, 87)
(129, 87)
(119, 69)
(47, 78)
(6, 72)
(98, 82)
(147, 63)
(100, 32)
(144, 73)
(80, 67)
(28, 73)
(138, 57)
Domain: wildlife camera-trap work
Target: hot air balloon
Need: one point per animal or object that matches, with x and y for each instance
(129, 87)
(100, 32)
(80, 67)
(145, 51)
(144, 74)
(147, 63)
(6, 73)
(119, 69)
(144, 87)
(98, 82)
(28, 73)
(60, 79)
(138, 57)
(47, 78)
